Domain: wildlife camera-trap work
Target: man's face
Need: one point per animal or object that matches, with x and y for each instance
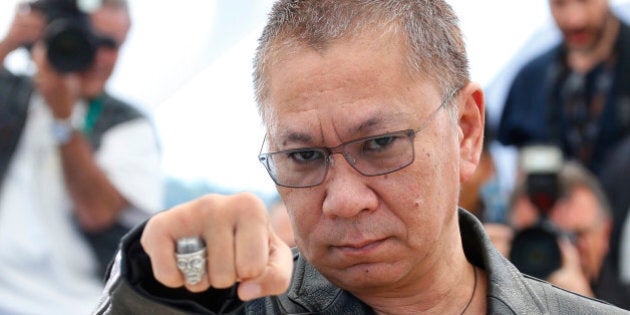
(114, 23)
(580, 214)
(361, 232)
(581, 22)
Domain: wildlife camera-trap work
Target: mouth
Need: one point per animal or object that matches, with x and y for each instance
(362, 248)
(578, 38)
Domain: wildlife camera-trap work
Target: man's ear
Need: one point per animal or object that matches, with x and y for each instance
(471, 123)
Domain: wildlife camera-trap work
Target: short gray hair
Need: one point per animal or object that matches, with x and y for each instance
(429, 28)
(575, 175)
(121, 4)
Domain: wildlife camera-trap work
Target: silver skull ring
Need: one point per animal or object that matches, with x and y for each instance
(191, 258)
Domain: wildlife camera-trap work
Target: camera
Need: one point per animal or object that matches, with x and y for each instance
(535, 250)
(70, 41)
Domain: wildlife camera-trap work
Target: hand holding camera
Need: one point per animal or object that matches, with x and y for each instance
(64, 46)
(535, 250)
(27, 27)
(566, 238)
(60, 90)
(570, 275)
(71, 41)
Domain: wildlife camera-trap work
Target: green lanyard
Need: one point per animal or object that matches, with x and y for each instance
(94, 110)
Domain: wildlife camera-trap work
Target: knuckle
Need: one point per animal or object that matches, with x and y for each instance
(207, 201)
(208, 206)
(250, 204)
(151, 225)
(148, 235)
(250, 270)
(221, 272)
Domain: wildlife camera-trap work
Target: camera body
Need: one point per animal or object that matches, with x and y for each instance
(535, 250)
(71, 43)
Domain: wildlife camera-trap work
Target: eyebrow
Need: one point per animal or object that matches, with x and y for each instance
(367, 125)
(298, 137)
(359, 130)
(378, 122)
(287, 138)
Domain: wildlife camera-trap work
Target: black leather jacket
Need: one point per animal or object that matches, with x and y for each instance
(131, 288)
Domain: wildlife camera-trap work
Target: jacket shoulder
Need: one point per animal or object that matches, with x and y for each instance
(561, 301)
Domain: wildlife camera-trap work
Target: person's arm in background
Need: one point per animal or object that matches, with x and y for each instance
(27, 27)
(97, 203)
(93, 189)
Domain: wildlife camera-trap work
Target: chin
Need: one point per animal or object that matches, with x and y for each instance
(91, 92)
(367, 277)
(93, 84)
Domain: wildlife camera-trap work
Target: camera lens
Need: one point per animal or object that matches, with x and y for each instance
(70, 46)
(535, 252)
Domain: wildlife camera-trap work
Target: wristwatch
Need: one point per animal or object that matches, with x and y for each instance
(62, 130)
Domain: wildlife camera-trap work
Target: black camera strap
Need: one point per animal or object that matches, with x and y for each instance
(577, 102)
(576, 105)
(583, 97)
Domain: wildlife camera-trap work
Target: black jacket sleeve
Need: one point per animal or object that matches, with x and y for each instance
(132, 289)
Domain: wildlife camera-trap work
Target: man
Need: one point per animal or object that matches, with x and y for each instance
(384, 84)
(576, 95)
(585, 213)
(78, 168)
(582, 211)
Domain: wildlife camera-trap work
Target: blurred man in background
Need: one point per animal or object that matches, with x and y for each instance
(577, 94)
(78, 167)
(582, 214)
(615, 180)
(281, 222)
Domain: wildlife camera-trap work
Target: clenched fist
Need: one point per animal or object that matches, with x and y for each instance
(241, 245)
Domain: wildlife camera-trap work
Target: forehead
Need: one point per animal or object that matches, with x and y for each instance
(585, 202)
(582, 209)
(111, 21)
(591, 4)
(354, 86)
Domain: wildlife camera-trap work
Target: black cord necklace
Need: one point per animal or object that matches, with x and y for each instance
(473, 292)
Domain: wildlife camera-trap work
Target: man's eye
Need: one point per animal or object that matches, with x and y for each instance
(304, 156)
(380, 143)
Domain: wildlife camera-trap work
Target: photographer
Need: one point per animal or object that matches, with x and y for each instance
(578, 217)
(77, 166)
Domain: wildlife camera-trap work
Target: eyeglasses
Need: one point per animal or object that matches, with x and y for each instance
(370, 156)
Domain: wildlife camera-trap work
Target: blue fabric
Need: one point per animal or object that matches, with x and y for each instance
(533, 114)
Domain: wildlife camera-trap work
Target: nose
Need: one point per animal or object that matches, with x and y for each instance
(347, 191)
(574, 15)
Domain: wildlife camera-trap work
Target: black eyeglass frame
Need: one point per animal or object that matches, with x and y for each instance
(327, 152)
